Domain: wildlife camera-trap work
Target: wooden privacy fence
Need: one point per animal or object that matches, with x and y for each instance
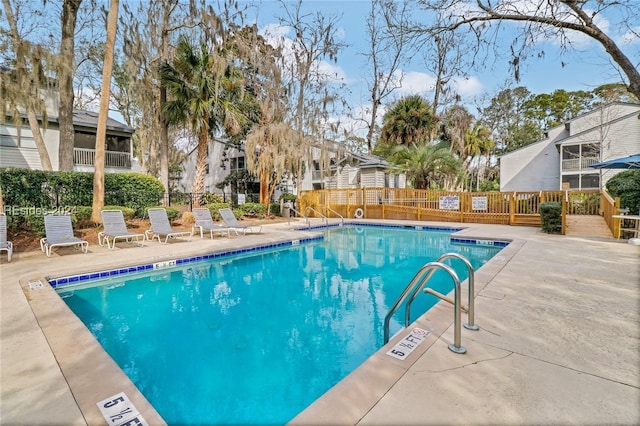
(506, 208)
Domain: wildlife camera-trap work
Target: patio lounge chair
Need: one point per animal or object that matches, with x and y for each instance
(4, 244)
(116, 229)
(59, 233)
(204, 222)
(161, 228)
(230, 220)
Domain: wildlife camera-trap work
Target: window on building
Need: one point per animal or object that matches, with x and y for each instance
(591, 150)
(590, 181)
(572, 181)
(8, 140)
(570, 152)
(237, 164)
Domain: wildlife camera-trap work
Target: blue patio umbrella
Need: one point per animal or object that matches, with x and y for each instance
(630, 162)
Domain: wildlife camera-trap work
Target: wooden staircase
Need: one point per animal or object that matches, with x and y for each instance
(587, 226)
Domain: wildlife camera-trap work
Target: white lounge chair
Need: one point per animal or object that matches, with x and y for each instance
(204, 222)
(116, 229)
(161, 228)
(59, 233)
(4, 244)
(230, 220)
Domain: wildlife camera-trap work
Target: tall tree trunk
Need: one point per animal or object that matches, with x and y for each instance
(101, 134)
(37, 136)
(66, 70)
(164, 126)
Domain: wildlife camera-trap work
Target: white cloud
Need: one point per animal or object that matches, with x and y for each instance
(416, 82)
(468, 86)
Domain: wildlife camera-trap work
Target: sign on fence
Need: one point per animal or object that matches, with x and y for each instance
(241, 199)
(479, 203)
(451, 202)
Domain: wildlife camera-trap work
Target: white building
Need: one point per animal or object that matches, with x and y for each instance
(18, 148)
(562, 159)
(347, 170)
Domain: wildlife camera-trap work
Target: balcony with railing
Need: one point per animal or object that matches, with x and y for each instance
(581, 163)
(86, 157)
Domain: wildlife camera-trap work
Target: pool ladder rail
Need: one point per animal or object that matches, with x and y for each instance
(334, 212)
(420, 279)
(324, 218)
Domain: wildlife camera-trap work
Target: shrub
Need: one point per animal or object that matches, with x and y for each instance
(626, 186)
(287, 197)
(214, 207)
(127, 212)
(211, 198)
(188, 218)
(35, 223)
(252, 209)
(274, 208)
(83, 213)
(551, 217)
(172, 213)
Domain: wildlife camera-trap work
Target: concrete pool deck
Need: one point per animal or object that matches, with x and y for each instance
(559, 340)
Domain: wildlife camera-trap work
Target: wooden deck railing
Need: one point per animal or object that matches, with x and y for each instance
(610, 207)
(507, 208)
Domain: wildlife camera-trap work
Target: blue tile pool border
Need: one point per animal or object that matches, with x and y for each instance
(382, 225)
(73, 280)
(61, 282)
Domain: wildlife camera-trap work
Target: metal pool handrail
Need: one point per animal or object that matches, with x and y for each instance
(326, 220)
(419, 279)
(299, 214)
(470, 309)
(336, 213)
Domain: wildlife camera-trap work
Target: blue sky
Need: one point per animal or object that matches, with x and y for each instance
(585, 68)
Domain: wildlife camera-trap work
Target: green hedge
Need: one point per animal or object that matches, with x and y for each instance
(551, 217)
(47, 190)
(626, 186)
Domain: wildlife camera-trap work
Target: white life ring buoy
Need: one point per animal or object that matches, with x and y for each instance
(359, 214)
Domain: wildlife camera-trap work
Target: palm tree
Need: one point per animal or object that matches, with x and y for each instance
(206, 94)
(426, 165)
(477, 144)
(409, 121)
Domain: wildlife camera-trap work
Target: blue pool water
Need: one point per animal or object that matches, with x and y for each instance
(255, 338)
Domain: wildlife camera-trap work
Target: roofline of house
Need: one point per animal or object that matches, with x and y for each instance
(120, 128)
(624, 117)
(546, 132)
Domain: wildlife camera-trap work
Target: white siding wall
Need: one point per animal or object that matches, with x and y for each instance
(532, 168)
(216, 172)
(26, 156)
(370, 178)
(601, 115)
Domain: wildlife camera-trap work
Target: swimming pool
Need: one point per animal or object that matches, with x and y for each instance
(256, 337)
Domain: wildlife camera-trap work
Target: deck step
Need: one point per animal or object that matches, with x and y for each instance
(587, 226)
